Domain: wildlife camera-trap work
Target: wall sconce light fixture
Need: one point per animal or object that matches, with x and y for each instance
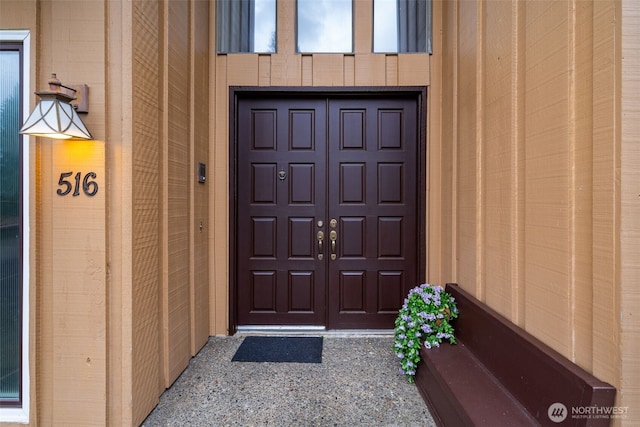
(55, 116)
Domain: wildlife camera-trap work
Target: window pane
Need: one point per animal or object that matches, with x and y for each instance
(10, 219)
(401, 26)
(246, 26)
(325, 26)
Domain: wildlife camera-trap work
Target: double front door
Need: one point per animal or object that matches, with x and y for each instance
(327, 224)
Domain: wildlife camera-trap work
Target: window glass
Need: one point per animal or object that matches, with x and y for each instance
(10, 228)
(402, 26)
(325, 26)
(246, 26)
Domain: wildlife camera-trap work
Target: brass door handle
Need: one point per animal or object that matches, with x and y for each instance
(320, 237)
(333, 236)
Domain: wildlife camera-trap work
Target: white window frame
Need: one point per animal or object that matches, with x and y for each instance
(21, 415)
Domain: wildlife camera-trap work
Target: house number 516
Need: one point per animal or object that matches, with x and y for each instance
(89, 186)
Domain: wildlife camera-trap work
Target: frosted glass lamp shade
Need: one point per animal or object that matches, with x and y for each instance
(54, 117)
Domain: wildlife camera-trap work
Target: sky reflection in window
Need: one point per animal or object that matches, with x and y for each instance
(385, 26)
(325, 26)
(264, 39)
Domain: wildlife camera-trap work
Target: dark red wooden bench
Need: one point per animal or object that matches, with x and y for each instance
(499, 375)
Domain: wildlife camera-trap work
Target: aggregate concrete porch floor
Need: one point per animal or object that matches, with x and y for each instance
(357, 384)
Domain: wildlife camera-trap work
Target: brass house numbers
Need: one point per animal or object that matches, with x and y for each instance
(89, 185)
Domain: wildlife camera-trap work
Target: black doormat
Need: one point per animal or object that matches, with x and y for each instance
(280, 349)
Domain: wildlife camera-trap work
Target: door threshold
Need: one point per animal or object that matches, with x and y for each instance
(312, 331)
(279, 329)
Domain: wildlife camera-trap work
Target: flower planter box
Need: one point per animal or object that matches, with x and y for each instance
(498, 374)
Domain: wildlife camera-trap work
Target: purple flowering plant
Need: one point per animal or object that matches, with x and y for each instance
(424, 319)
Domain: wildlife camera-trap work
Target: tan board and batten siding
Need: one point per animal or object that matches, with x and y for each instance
(532, 180)
(539, 199)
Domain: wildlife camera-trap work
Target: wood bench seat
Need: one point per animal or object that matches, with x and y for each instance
(500, 375)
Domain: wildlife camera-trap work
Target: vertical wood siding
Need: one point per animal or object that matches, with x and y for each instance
(146, 215)
(547, 175)
(531, 216)
(171, 108)
(70, 271)
(628, 295)
(200, 226)
(176, 292)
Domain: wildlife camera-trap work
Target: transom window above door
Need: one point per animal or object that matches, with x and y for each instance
(324, 26)
(402, 26)
(246, 26)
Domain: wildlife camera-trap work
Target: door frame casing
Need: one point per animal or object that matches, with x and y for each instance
(419, 93)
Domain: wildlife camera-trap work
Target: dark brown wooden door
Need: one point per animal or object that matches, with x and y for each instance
(373, 190)
(281, 197)
(327, 191)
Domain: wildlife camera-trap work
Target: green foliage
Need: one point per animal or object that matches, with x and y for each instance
(424, 318)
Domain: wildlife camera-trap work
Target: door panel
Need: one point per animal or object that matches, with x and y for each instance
(373, 165)
(281, 196)
(327, 202)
